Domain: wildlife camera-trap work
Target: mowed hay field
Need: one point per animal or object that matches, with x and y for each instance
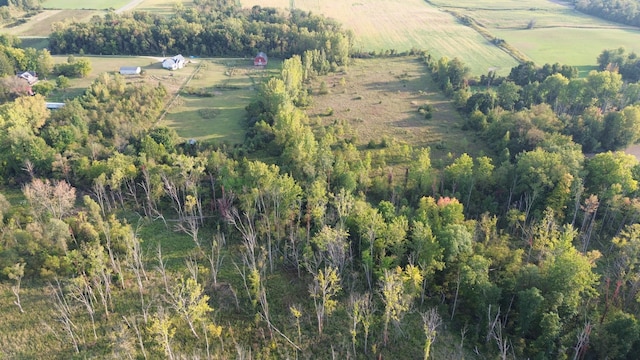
(40, 24)
(220, 117)
(380, 98)
(547, 31)
(164, 7)
(92, 4)
(405, 24)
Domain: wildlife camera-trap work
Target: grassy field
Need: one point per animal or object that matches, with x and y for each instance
(219, 118)
(380, 99)
(40, 24)
(93, 4)
(402, 25)
(164, 7)
(557, 32)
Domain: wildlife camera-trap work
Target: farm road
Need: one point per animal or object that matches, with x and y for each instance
(130, 6)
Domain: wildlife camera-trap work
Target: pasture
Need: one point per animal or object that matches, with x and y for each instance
(380, 99)
(93, 4)
(211, 106)
(381, 25)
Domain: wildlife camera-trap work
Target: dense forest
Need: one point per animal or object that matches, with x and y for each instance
(622, 11)
(300, 243)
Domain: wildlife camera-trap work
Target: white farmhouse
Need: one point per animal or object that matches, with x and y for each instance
(174, 63)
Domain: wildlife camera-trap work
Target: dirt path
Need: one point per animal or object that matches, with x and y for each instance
(130, 6)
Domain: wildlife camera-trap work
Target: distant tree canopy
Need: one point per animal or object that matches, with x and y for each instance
(22, 4)
(622, 11)
(209, 29)
(627, 64)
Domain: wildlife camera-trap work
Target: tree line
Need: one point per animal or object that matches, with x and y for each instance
(518, 112)
(209, 29)
(621, 11)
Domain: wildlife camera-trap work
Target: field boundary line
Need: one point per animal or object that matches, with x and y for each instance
(177, 95)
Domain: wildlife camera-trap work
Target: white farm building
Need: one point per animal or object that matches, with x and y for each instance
(130, 70)
(174, 63)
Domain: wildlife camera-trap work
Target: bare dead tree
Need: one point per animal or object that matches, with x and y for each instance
(431, 320)
(81, 291)
(188, 207)
(253, 259)
(162, 269)
(590, 208)
(136, 265)
(215, 257)
(16, 272)
(130, 186)
(133, 324)
(582, 342)
(102, 284)
(191, 263)
(64, 314)
(150, 207)
(496, 326)
(100, 193)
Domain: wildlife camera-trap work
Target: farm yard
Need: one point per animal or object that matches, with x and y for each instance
(210, 93)
(152, 67)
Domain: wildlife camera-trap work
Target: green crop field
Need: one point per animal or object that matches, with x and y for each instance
(547, 31)
(572, 46)
(93, 4)
(40, 24)
(164, 7)
(402, 25)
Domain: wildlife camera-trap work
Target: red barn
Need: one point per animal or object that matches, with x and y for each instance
(260, 59)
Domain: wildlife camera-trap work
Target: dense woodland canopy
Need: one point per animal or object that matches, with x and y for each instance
(302, 243)
(622, 11)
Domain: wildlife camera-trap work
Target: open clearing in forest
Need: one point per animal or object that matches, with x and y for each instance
(547, 31)
(380, 99)
(218, 118)
(381, 25)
